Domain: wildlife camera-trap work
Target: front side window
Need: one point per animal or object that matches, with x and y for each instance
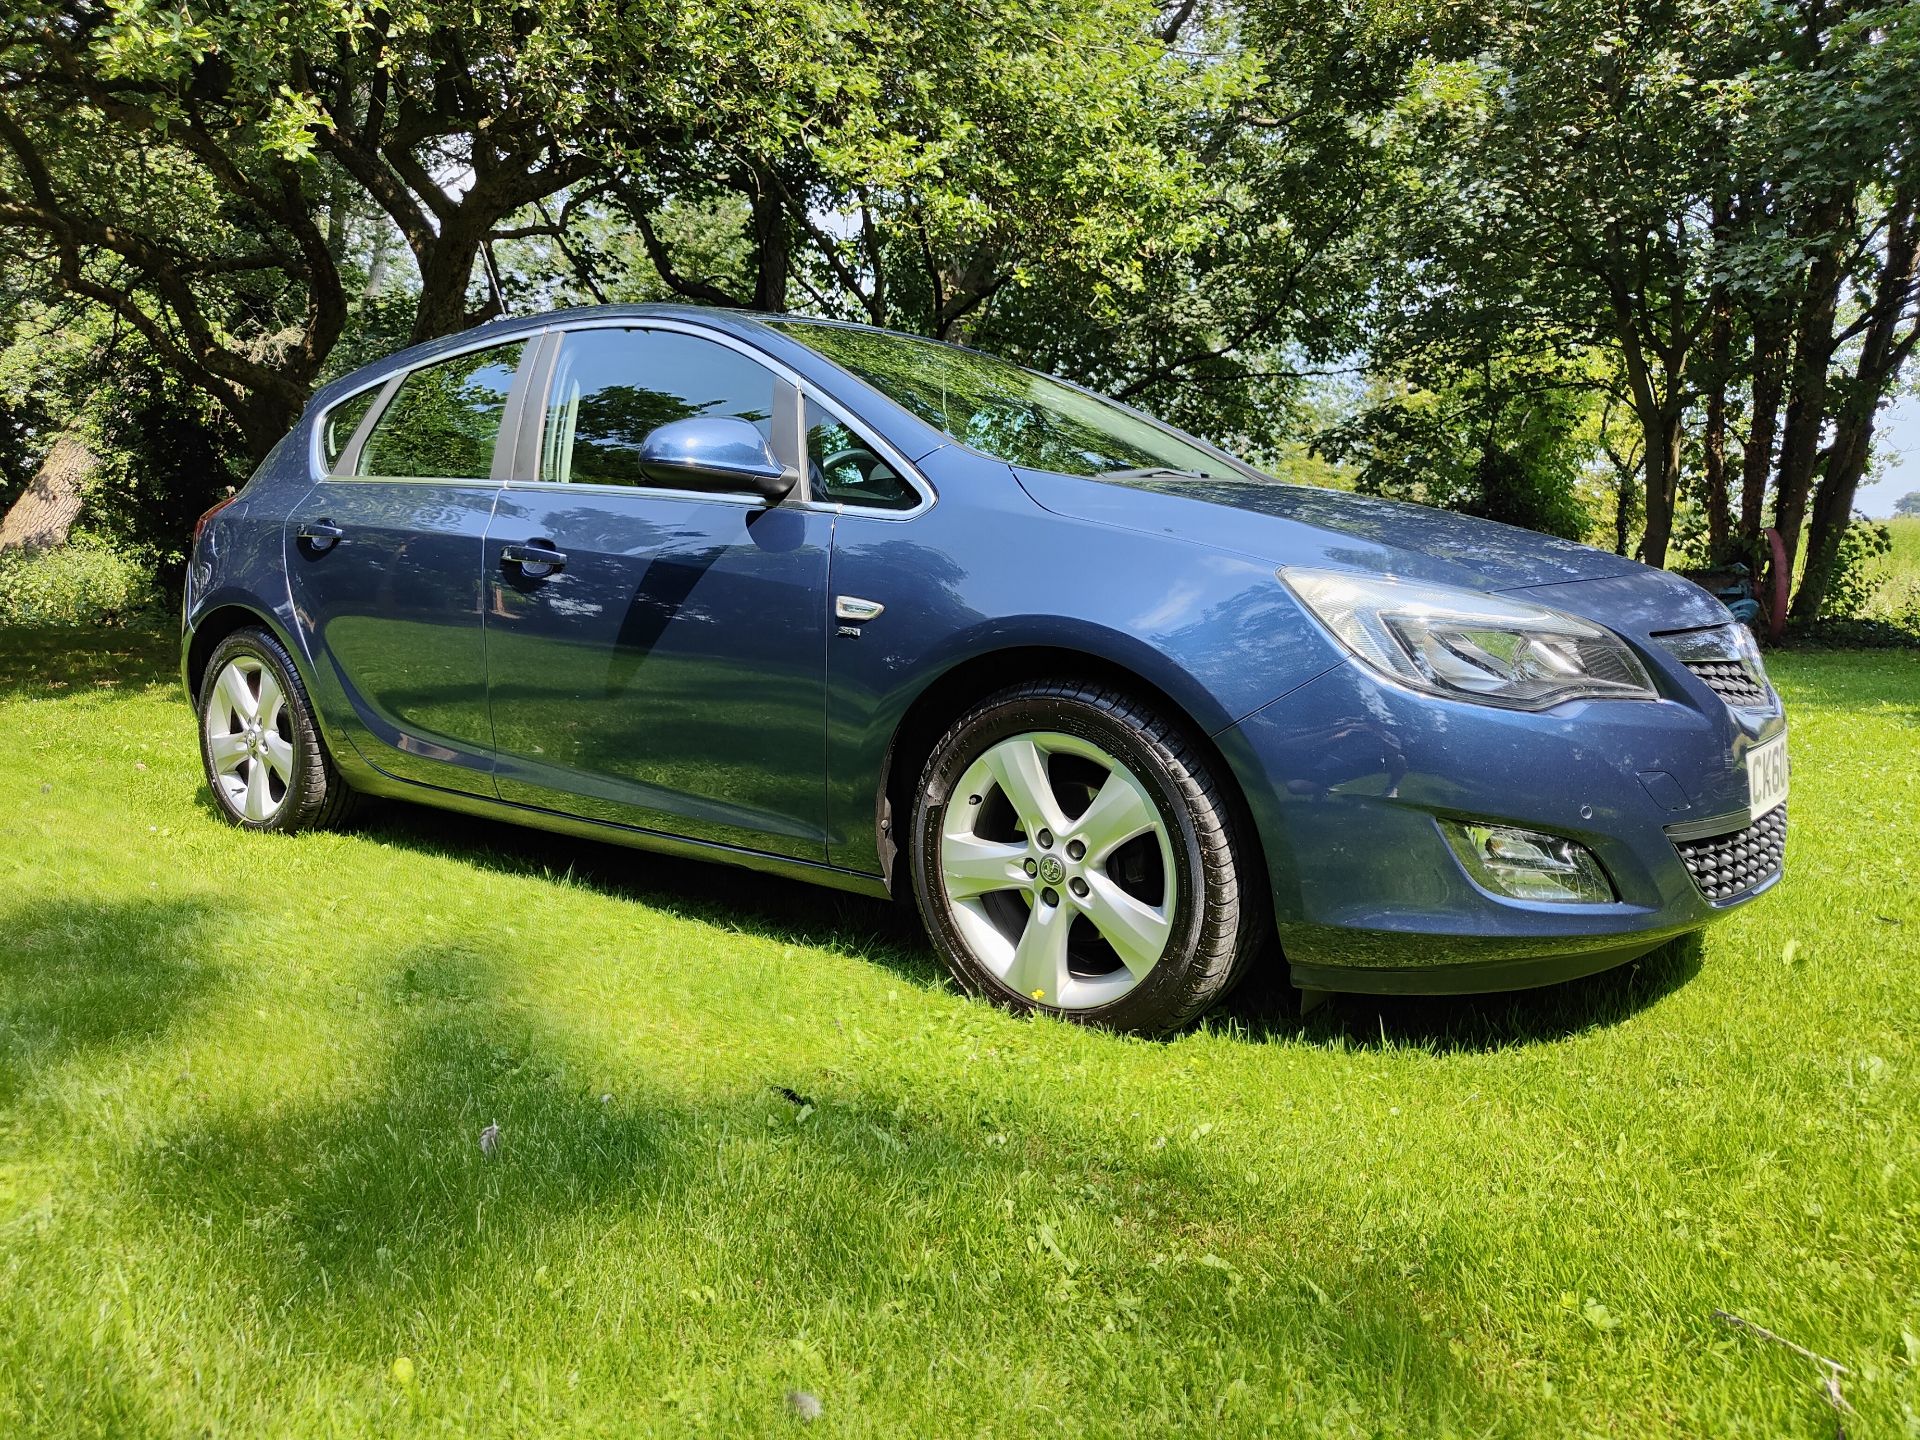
(443, 420)
(845, 468)
(1020, 416)
(613, 388)
(336, 430)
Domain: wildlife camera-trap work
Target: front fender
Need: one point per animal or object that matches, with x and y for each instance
(1214, 631)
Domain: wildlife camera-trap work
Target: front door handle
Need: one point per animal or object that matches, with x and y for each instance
(321, 534)
(544, 558)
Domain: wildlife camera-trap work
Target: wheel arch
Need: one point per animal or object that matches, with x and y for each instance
(964, 684)
(216, 624)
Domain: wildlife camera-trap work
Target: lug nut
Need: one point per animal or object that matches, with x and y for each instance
(1075, 849)
(1046, 839)
(1078, 886)
(1033, 867)
(1050, 895)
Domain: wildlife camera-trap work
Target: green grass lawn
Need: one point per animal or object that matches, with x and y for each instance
(242, 1081)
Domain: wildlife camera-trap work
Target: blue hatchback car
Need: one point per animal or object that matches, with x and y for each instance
(1124, 716)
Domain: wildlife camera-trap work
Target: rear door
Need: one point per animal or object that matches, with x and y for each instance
(666, 670)
(384, 559)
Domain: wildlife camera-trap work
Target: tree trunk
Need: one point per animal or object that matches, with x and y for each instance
(772, 265)
(1807, 395)
(1763, 425)
(1882, 352)
(1713, 439)
(1623, 507)
(1665, 435)
(444, 279)
(47, 508)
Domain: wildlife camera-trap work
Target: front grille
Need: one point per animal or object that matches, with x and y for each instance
(1732, 682)
(1724, 866)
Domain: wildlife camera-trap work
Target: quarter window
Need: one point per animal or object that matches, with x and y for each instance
(336, 430)
(613, 388)
(443, 420)
(845, 468)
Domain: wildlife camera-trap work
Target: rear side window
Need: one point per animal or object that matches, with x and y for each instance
(613, 388)
(444, 418)
(336, 430)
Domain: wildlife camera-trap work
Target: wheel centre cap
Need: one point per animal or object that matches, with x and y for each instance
(1051, 870)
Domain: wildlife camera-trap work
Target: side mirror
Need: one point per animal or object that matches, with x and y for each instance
(716, 453)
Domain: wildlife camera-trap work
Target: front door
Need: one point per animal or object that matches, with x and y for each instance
(385, 564)
(666, 669)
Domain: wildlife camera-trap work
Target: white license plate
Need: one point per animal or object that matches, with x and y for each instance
(1766, 776)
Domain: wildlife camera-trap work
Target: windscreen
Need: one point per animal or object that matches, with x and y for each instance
(1020, 416)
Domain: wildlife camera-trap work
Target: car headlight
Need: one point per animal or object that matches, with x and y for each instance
(1468, 645)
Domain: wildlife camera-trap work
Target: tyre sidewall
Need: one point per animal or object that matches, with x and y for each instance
(1168, 982)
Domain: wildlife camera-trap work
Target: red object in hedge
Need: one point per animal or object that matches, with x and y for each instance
(1773, 585)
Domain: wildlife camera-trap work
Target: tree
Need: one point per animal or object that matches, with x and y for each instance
(1847, 131)
(1563, 165)
(1908, 504)
(1718, 197)
(208, 177)
(222, 180)
(1506, 442)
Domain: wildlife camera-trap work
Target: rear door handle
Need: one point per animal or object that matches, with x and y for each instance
(322, 533)
(533, 554)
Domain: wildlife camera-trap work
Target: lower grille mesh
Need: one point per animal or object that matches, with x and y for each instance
(1724, 866)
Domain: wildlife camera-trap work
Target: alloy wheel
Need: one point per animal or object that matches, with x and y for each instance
(1058, 869)
(249, 732)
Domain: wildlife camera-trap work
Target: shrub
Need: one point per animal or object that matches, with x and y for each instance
(1857, 569)
(78, 584)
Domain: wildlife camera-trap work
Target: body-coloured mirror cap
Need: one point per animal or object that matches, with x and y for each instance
(715, 453)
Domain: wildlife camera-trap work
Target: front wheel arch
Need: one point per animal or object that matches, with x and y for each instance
(960, 688)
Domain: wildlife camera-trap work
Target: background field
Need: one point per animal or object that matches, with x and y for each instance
(242, 1081)
(1898, 572)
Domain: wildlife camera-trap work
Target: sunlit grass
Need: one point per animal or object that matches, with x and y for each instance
(1896, 575)
(242, 1082)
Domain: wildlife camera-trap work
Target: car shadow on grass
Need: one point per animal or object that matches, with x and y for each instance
(366, 1220)
(76, 976)
(726, 896)
(1264, 1009)
(1469, 1023)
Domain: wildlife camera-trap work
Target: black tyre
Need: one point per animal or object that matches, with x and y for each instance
(1073, 851)
(265, 762)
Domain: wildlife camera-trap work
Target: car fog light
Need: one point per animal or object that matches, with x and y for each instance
(1527, 864)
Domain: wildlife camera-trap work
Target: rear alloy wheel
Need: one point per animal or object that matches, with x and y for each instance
(264, 760)
(1072, 852)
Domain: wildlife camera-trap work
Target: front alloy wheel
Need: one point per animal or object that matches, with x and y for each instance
(1071, 910)
(1073, 853)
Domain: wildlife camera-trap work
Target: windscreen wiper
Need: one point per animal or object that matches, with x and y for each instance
(1156, 472)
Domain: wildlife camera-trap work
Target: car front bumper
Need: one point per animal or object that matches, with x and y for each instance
(1349, 778)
